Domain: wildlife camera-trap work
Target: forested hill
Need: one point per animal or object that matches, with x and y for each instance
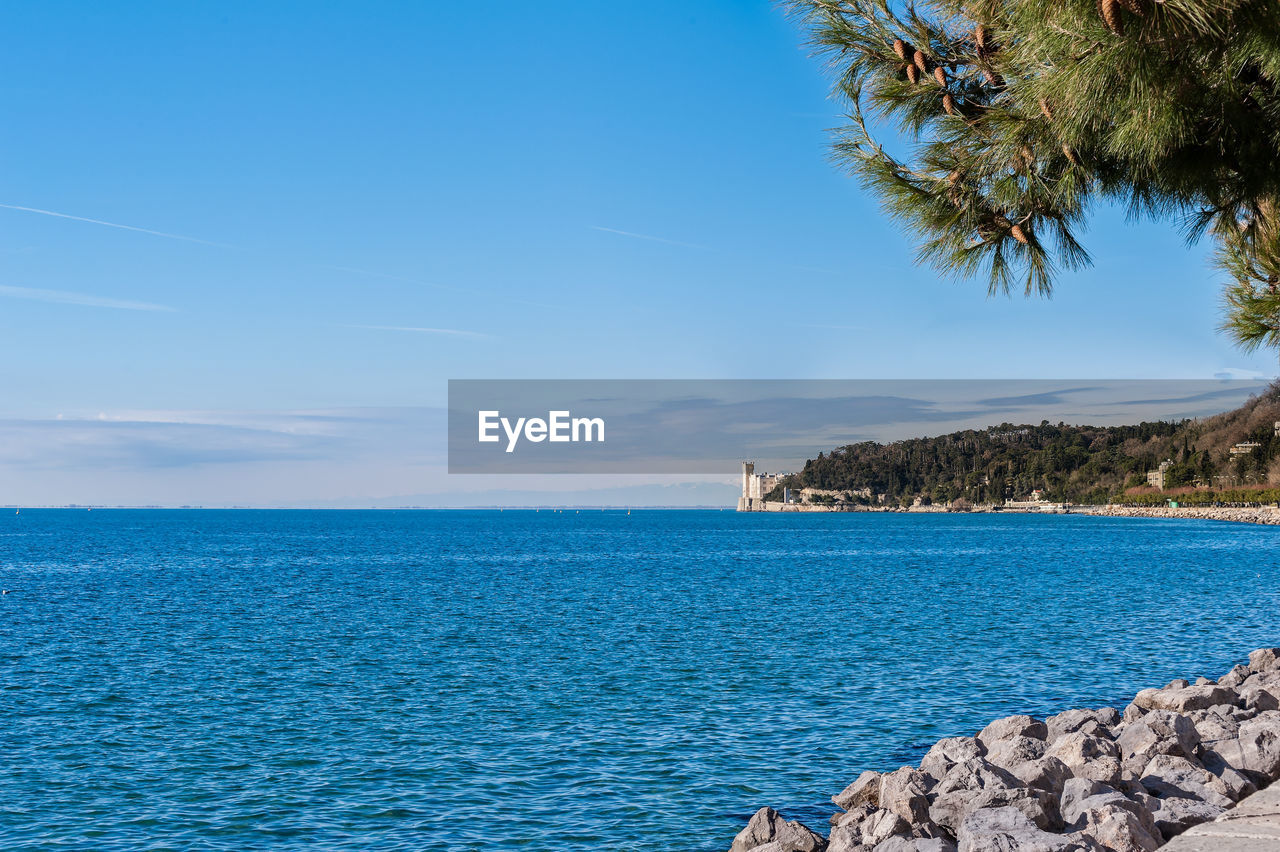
(1084, 464)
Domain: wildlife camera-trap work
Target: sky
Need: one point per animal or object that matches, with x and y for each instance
(255, 214)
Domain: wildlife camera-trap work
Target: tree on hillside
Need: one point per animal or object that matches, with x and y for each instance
(1027, 112)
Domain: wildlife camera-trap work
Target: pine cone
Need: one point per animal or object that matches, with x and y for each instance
(913, 74)
(1109, 11)
(940, 76)
(993, 79)
(1133, 7)
(900, 48)
(1044, 108)
(922, 62)
(1070, 155)
(1018, 234)
(949, 104)
(980, 39)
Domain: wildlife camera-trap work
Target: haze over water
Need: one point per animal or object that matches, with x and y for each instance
(558, 681)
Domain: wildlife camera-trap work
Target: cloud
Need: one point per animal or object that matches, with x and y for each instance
(133, 228)
(65, 297)
(636, 236)
(449, 332)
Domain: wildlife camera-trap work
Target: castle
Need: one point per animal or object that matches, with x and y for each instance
(755, 486)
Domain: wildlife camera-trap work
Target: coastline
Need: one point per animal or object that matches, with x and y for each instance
(1176, 762)
(1267, 515)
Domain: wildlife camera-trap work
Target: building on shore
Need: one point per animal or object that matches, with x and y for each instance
(1155, 478)
(755, 486)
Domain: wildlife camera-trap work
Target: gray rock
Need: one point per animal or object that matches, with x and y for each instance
(1095, 722)
(1260, 744)
(1132, 711)
(1158, 732)
(915, 844)
(1047, 773)
(1235, 677)
(852, 816)
(1261, 692)
(1236, 783)
(882, 825)
(1087, 756)
(1009, 830)
(864, 791)
(905, 793)
(1176, 815)
(1184, 699)
(1012, 726)
(1178, 683)
(1080, 795)
(1118, 829)
(1204, 681)
(950, 810)
(1169, 776)
(768, 828)
(1264, 660)
(947, 753)
(1016, 750)
(847, 838)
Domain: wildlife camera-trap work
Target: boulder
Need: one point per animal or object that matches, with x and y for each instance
(1178, 683)
(905, 792)
(1095, 722)
(950, 810)
(1009, 830)
(1012, 726)
(1176, 815)
(1088, 756)
(1264, 660)
(1235, 677)
(915, 844)
(1016, 750)
(864, 791)
(882, 825)
(1184, 699)
(1259, 740)
(847, 838)
(1168, 776)
(1080, 795)
(852, 816)
(1047, 773)
(768, 828)
(1236, 783)
(947, 753)
(1158, 732)
(1118, 829)
(1132, 711)
(1261, 692)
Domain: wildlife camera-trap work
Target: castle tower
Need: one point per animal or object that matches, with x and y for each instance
(748, 477)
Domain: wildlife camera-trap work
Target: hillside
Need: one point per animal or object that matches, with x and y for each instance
(1083, 464)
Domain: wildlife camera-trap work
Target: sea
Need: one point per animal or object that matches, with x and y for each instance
(559, 680)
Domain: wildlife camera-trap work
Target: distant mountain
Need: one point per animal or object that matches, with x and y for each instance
(1083, 464)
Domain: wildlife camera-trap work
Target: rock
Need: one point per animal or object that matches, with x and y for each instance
(1047, 773)
(1093, 722)
(1169, 776)
(847, 838)
(1009, 830)
(768, 828)
(1260, 744)
(1176, 815)
(904, 792)
(1009, 753)
(1118, 830)
(947, 753)
(881, 826)
(1204, 681)
(1261, 692)
(1178, 683)
(915, 844)
(1264, 660)
(1236, 783)
(1080, 795)
(1087, 756)
(1131, 712)
(852, 816)
(1158, 732)
(950, 810)
(1012, 726)
(1235, 677)
(1184, 699)
(864, 791)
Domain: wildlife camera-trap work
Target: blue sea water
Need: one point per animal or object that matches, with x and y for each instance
(558, 681)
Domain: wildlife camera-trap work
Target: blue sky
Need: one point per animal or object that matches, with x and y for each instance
(375, 198)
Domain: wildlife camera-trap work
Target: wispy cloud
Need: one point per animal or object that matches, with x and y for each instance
(634, 235)
(133, 228)
(65, 297)
(448, 332)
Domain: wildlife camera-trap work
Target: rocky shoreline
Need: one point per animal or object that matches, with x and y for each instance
(1080, 781)
(1237, 514)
